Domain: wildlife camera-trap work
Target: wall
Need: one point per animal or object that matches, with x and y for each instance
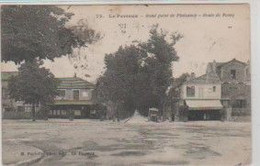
(225, 72)
(202, 91)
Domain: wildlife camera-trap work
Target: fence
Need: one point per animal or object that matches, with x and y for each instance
(21, 115)
(241, 111)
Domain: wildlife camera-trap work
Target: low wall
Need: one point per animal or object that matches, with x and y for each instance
(241, 111)
(20, 115)
(16, 115)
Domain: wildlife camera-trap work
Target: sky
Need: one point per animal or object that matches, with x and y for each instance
(210, 32)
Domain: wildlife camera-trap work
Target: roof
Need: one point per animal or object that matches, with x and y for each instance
(220, 64)
(74, 83)
(5, 75)
(208, 78)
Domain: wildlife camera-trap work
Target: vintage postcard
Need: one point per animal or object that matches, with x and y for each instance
(126, 85)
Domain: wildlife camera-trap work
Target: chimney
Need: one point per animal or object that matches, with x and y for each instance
(75, 75)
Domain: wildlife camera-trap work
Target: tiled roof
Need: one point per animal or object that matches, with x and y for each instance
(209, 78)
(74, 83)
(5, 75)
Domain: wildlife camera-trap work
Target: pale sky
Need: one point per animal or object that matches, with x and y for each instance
(205, 38)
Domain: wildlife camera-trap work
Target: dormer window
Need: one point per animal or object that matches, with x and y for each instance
(233, 74)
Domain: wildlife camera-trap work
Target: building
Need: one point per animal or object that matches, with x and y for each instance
(202, 97)
(233, 71)
(225, 87)
(235, 84)
(75, 99)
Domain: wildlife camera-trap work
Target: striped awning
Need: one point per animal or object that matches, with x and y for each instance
(204, 104)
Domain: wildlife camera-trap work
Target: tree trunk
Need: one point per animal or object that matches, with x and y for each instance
(33, 112)
(71, 112)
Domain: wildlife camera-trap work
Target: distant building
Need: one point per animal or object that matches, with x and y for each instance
(232, 71)
(75, 99)
(224, 86)
(202, 96)
(236, 84)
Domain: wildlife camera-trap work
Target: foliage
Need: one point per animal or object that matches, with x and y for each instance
(157, 69)
(118, 84)
(174, 92)
(33, 85)
(30, 32)
(138, 76)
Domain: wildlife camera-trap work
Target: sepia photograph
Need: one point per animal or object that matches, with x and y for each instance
(126, 85)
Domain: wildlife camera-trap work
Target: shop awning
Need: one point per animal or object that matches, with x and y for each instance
(204, 104)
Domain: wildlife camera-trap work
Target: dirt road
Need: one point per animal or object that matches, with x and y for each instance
(92, 142)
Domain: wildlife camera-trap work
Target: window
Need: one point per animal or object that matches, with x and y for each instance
(75, 94)
(214, 88)
(233, 74)
(61, 93)
(77, 112)
(190, 91)
(58, 112)
(85, 94)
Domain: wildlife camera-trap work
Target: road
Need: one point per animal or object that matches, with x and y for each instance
(93, 142)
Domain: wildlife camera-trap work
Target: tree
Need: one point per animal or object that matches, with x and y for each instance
(174, 92)
(34, 85)
(30, 32)
(138, 76)
(157, 68)
(118, 84)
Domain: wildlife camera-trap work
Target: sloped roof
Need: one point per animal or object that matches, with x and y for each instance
(74, 83)
(5, 75)
(208, 78)
(220, 64)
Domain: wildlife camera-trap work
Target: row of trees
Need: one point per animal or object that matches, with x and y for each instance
(137, 76)
(31, 34)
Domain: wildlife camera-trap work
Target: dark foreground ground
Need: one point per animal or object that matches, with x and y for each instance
(136, 142)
